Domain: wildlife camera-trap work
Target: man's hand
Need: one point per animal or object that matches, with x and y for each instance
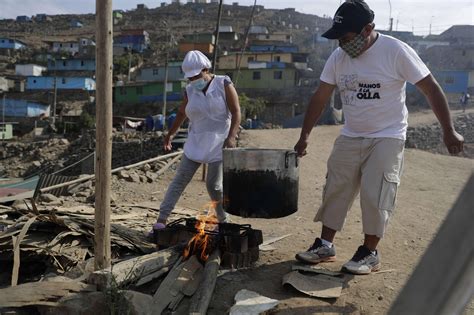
(453, 141)
(167, 142)
(300, 147)
(230, 142)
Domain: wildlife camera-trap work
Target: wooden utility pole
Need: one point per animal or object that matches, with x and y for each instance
(103, 148)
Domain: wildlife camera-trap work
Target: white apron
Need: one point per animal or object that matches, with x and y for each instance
(209, 124)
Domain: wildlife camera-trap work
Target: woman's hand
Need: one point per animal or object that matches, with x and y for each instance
(167, 142)
(230, 142)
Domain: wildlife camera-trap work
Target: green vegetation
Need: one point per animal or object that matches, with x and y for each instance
(251, 107)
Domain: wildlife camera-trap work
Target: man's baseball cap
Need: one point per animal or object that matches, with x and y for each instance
(351, 16)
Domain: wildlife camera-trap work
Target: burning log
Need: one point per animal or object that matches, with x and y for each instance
(201, 299)
(140, 270)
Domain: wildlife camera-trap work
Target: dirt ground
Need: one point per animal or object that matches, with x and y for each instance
(430, 186)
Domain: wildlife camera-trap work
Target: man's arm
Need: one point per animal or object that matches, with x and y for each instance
(315, 108)
(437, 100)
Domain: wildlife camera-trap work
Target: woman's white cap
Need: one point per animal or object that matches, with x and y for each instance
(194, 62)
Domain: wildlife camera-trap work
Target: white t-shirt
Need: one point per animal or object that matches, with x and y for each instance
(372, 87)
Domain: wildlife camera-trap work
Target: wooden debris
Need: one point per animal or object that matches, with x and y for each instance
(265, 246)
(321, 286)
(201, 299)
(16, 250)
(141, 269)
(40, 293)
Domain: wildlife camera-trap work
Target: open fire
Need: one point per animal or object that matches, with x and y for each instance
(238, 244)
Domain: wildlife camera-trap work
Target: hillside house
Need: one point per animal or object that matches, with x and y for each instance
(23, 18)
(9, 43)
(148, 92)
(62, 83)
(29, 70)
(136, 40)
(70, 64)
(24, 108)
(157, 73)
(231, 61)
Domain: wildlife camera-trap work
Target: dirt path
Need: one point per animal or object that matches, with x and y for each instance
(430, 185)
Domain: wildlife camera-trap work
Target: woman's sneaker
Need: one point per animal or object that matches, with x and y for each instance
(151, 234)
(317, 253)
(363, 262)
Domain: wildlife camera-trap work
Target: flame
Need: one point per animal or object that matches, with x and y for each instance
(198, 245)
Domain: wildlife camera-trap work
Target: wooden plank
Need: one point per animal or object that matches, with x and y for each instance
(442, 283)
(40, 293)
(16, 250)
(133, 270)
(201, 299)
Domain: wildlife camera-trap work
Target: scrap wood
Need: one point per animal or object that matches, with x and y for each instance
(40, 293)
(134, 270)
(183, 280)
(321, 286)
(16, 250)
(201, 299)
(251, 303)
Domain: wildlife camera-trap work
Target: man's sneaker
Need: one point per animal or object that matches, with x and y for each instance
(317, 253)
(363, 262)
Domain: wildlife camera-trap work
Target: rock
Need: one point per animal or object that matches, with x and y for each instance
(85, 194)
(64, 141)
(134, 177)
(139, 303)
(380, 298)
(151, 176)
(80, 187)
(146, 167)
(79, 304)
(22, 204)
(36, 163)
(123, 174)
(143, 178)
(49, 198)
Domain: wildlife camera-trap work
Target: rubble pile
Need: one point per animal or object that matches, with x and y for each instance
(430, 138)
(53, 155)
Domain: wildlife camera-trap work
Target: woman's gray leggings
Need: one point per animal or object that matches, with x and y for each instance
(185, 173)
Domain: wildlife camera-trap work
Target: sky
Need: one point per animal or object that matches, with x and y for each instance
(408, 15)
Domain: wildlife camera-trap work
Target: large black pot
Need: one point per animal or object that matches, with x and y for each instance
(260, 183)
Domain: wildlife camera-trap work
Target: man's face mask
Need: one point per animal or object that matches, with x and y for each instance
(199, 84)
(354, 47)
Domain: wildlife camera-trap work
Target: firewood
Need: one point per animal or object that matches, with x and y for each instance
(134, 270)
(201, 299)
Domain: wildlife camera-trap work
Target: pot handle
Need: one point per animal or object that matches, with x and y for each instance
(287, 158)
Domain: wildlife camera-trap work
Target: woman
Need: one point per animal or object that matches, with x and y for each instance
(212, 106)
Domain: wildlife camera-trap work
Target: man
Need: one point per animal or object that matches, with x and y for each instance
(370, 70)
(464, 100)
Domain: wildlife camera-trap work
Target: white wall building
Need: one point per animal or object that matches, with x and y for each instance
(29, 70)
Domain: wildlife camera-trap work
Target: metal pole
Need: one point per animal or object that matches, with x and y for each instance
(216, 43)
(4, 127)
(164, 87)
(55, 99)
(103, 148)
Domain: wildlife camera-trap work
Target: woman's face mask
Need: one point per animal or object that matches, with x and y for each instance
(199, 84)
(354, 47)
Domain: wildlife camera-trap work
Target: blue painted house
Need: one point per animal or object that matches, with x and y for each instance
(136, 40)
(23, 108)
(71, 65)
(62, 83)
(8, 43)
(454, 81)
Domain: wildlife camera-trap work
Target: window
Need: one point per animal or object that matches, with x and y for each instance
(71, 45)
(64, 63)
(3, 40)
(10, 41)
(60, 45)
(155, 71)
(34, 81)
(249, 59)
(449, 79)
(63, 81)
(277, 59)
(139, 90)
(82, 63)
(267, 36)
(278, 75)
(256, 75)
(3, 128)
